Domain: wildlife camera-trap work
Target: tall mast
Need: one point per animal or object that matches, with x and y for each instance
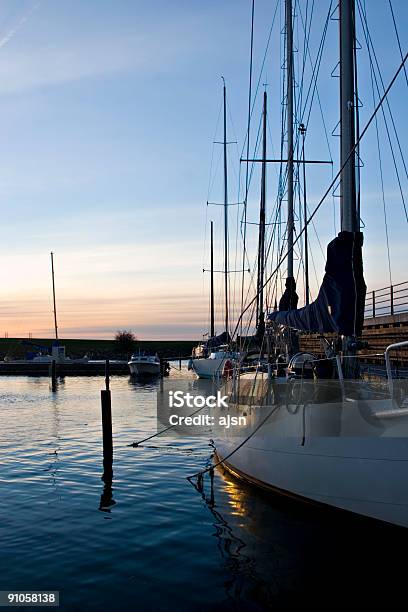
(349, 220)
(225, 209)
(289, 118)
(53, 295)
(212, 333)
(261, 241)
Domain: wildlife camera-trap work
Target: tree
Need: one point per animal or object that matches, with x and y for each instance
(125, 340)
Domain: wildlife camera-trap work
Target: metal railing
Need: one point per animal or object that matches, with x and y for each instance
(392, 347)
(387, 301)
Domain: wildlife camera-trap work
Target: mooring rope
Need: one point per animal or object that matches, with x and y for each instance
(135, 444)
(200, 475)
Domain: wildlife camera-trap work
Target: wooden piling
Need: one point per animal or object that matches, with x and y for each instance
(53, 375)
(106, 406)
(107, 374)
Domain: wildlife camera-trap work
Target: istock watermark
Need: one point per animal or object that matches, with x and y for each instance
(180, 399)
(195, 408)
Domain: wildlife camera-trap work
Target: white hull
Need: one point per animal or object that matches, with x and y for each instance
(208, 368)
(350, 455)
(144, 368)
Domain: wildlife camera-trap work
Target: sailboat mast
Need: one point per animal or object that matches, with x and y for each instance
(289, 119)
(349, 220)
(261, 241)
(53, 296)
(225, 210)
(212, 333)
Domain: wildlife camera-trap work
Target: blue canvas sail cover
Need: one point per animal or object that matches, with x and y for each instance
(339, 306)
(215, 341)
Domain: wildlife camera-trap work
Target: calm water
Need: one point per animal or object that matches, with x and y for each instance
(153, 542)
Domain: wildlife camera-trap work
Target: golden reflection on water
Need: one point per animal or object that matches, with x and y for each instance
(237, 496)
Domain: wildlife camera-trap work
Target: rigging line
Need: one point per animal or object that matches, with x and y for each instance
(370, 47)
(257, 144)
(212, 150)
(215, 174)
(314, 226)
(307, 29)
(304, 23)
(315, 272)
(312, 88)
(262, 68)
(282, 169)
(382, 181)
(240, 445)
(237, 243)
(136, 444)
(326, 193)
(315, 72)
(398, 38)
(247, 149)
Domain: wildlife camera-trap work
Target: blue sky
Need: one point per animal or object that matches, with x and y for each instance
(107, 115)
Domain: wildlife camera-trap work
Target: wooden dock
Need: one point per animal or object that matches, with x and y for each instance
(90, 368)
(379, 332)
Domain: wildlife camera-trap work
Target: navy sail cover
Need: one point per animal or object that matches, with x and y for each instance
(339, 306)
(215, 341)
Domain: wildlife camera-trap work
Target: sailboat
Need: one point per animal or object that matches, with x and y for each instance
(211, 358)
(315, 429)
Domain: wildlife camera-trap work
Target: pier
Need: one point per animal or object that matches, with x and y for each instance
(89, 368)
(386, 322)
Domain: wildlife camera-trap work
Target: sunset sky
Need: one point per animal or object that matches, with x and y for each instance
(108, 110)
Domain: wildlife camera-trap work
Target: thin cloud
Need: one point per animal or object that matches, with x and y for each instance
(14, 30)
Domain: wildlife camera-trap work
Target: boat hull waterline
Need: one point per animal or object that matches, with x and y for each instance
(208, 368)
(329, 453)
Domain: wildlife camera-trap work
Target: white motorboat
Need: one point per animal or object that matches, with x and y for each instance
(144, 365)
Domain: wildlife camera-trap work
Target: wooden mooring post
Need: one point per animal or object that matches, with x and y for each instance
(106, 406)
(53, 375)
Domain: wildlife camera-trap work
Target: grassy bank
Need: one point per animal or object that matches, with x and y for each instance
(17, 348)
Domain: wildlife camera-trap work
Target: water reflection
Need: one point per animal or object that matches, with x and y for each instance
(231, 548)
(278, 550)
(107, 501)
(243, 582)
(147, 384)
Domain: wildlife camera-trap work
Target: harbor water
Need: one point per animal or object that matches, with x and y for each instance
(151, 541)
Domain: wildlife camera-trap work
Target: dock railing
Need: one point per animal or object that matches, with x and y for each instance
(387, 301)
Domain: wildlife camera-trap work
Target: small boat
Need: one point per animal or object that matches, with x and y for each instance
(212, 365)
(144, 365)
